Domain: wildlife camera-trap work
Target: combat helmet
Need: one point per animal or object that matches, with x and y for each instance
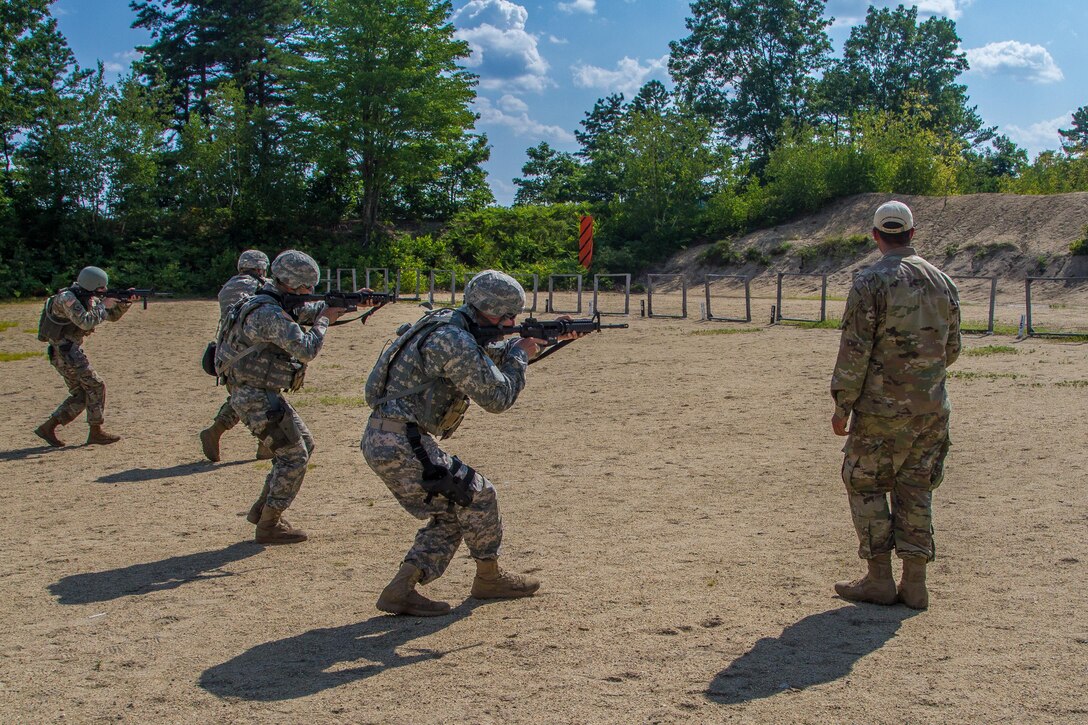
(253, 259)
(293, 268)
(495, 293)
(91, 278)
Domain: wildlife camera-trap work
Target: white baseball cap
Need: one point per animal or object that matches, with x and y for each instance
(893, 217)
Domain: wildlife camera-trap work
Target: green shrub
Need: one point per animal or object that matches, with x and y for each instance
(721, 254)
(1079, 248)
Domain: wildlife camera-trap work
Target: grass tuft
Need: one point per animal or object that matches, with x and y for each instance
(991, 350)
(829, 324)
(728, 331)
(972, 375)
(13, 356)
(7, 324)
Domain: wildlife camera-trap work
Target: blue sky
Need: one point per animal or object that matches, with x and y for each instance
(543, 63)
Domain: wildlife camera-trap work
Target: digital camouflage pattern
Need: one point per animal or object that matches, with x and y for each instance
(86, 390)
(452, 365)
(253, 259)
(900, 331)
(238, 287)
(289, 440)
(479, 524)
(258, 403)
(495, 293)
(457, 365)
(296, 269)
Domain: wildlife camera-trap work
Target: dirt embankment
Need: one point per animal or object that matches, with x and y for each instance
(1002, 235)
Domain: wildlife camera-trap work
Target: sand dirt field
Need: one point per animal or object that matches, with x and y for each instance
(677, 493)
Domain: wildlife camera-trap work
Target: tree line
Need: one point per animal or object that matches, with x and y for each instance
(346, 127)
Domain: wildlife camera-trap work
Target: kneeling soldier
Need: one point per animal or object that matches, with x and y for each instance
(67, 318)
(261, 351)
(420, 389)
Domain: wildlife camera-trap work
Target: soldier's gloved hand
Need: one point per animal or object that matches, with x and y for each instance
(332, 313)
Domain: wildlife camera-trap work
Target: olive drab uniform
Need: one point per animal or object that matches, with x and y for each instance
(67, 318)
(262, 350)
(237, 288)
(419, 390)
(900, 331)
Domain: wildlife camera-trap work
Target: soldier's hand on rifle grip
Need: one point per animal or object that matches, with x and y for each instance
(332, 313)
(569, 335)
(531, 345)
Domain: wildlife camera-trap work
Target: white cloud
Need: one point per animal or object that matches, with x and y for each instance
(503, 54)
(1019, 60)
(579, 6)
(513, 104)
(628, 77)
(949, 8)
(1041, 135)
(517, 120)
(557, 41)
(111, 67)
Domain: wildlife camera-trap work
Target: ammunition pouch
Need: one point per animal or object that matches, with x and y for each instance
(454, 483)
(451, 419)
(207, 362)
(280, 431)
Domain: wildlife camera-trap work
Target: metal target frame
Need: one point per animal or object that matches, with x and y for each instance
(453, 285)
(550, 302)
(650, 279)
(385, 278)
(354, 279)
(989, 329)
(626, 293)
(779, 317)
(710, 278)
(415, 296)
(1028, 329)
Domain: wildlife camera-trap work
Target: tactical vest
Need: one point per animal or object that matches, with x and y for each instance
(259, 364)
(443, 406)
(55, 330)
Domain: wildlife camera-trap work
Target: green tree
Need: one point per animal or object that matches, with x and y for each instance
(750, 66)
(892, 63)
(549, 177)
(378, 95)
(602, 148)
(1075, 138)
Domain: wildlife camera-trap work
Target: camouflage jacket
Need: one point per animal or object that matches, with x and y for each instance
(238, 287)
(74, 321)
(900, 332)
(447, 365)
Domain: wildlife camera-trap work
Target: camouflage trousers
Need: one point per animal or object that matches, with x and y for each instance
(226, 416)
(275, 423)
(479, 524)
(901, 458)
(85, 389)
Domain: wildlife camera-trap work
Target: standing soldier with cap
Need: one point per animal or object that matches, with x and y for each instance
(900, 332)
(252, 272)
(419, 389)
(67, 318)
(262, 350)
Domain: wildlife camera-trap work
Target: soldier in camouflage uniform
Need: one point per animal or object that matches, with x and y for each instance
(261, 351)
(900, 332)
(67, 318)
(252, 272)
(419, 390)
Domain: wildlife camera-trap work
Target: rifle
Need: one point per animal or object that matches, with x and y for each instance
(549, 330)
(348, 301)
(122, 295)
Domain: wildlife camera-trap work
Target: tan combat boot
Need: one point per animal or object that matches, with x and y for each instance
(98, 436)
(912, 587)
(272, 529)
(209, 440)
(47, 431)
(876, 587)
(254, 515)
(491, 582)
(400, 596)
(264, 452)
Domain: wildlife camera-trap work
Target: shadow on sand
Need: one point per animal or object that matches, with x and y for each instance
(312, 662)
(102, 586)
(820, 648)
(32, 452)
(135, 475)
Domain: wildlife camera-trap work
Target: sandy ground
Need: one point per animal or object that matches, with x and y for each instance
(678, 493)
